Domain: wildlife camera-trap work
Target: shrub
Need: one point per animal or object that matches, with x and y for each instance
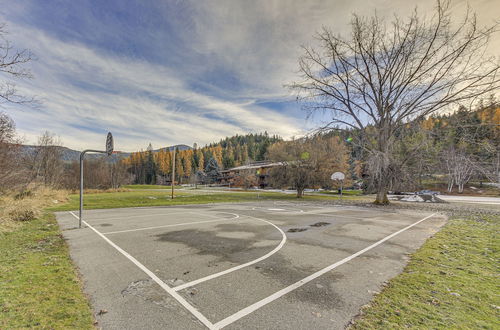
(23, 214)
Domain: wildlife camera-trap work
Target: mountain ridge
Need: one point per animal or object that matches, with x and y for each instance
(71, 155)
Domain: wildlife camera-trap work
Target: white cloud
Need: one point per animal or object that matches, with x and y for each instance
(131, 97)
(257, 42)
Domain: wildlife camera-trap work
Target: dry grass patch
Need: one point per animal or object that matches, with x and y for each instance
(101, 191)
(27, 205)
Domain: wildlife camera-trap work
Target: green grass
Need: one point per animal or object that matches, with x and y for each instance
(140, 197)
(451, 282)
(38, 284)
(146, 186)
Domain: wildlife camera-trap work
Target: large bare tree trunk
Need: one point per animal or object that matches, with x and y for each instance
(380, 164)
(382, 197)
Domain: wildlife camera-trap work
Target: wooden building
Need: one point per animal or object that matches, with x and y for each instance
(252, 174)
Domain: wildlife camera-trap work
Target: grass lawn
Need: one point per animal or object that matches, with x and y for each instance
(142, 197)
(451, 282)
(39, 287)
(147, 186)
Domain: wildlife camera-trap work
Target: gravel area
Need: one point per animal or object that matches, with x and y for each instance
(450, 209)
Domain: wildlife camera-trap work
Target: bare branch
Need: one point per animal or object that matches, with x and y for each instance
(386, 75)
(13, 66)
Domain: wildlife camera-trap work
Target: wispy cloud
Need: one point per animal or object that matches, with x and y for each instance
(170, 72)
(143, 102)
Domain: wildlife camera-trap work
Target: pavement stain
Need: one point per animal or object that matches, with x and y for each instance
(296, 230)
(282, 269)
(148, 291)
(211, 243)
(320, 224)
(321, 294)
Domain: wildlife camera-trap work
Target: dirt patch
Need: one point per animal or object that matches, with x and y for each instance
(105, 225)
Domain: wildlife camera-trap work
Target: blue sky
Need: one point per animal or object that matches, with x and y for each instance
(170, 72)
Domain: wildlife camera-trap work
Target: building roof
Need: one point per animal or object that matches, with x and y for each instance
(255, 165)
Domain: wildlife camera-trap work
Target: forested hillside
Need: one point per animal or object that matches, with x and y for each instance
(465, 145)
(455, 148)
(148, 166)
(449, 150)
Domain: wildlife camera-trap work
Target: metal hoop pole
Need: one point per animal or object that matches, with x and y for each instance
(82, 154)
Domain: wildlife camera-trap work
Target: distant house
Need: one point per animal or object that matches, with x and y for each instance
(260, 169)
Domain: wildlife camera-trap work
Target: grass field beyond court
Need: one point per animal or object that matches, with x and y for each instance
(142, 197)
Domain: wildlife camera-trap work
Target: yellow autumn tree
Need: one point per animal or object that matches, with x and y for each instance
(188, 163)
(201, 160)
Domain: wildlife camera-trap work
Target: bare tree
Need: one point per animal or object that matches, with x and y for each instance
(246, 179)
(46, 163)
(307, 162)
(119, 174)
(12, 175)
(12, 66)
(386, 75)
(460, 167)
(491, 168)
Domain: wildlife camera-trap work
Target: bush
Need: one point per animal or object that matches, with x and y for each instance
(23, 194)
(23, 214)
(27, 205)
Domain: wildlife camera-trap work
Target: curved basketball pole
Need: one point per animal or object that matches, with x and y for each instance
(108, 151)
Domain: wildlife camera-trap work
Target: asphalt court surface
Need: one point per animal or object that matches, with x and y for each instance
(268, 265)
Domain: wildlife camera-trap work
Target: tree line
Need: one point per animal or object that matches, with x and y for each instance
(448, 148)
(196, 164)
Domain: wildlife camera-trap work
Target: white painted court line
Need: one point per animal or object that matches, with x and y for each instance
(252, 308)
(139, 216)
(155, 278)
(230, 270)
(208, 214)
(172, 225)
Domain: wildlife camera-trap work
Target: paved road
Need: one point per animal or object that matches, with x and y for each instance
(471, 199)
(240, 266)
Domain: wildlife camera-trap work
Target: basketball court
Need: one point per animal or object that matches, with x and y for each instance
(267, 265)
